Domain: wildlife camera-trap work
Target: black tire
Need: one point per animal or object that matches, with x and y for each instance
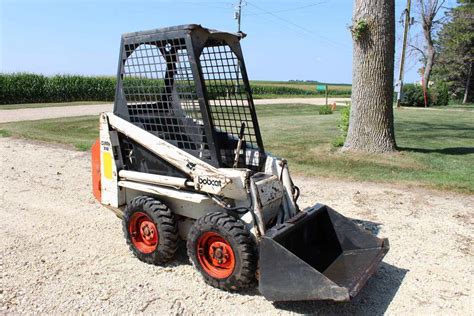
(239, 239)
(165, 225)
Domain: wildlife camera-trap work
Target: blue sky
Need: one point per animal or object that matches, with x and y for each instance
(302, 39)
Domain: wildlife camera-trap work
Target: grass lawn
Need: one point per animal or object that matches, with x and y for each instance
(77, 131)
(437, 147)
(46, 105)
(464, 107)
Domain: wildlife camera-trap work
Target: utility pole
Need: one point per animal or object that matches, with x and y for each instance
(399, 84)
(238, 15)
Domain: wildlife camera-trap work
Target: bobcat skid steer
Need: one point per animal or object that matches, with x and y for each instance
(182, 157)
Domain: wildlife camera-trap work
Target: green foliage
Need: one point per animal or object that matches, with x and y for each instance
(359, 29)
(345, 115)
(325, 110)
(4, 133)
(436, 146)
(33, 88)
(413, 96)
(343, 127)
(288, 90)
(439, 94)
(455, 54)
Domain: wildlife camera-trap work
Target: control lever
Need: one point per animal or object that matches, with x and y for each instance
(239, 145)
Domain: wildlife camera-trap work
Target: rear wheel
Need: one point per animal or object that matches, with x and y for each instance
(150, 230)
(222, 250)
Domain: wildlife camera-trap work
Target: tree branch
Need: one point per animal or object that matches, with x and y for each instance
(418, 50)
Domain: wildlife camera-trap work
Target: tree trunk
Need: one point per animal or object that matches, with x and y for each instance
(371, 120)
(429, 54)
(468, 85)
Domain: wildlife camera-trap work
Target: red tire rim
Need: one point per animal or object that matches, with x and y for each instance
(215, 255)
(143, 232)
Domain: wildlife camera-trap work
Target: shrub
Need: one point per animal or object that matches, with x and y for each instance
(413, 96)
(325, 110)
(439, 94)
(343, 127)
(344, 123)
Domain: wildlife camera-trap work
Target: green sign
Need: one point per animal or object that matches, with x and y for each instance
(321, 87)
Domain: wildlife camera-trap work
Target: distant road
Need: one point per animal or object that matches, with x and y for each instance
(32, 114)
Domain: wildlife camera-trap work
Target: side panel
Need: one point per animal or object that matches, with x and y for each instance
(231, 182)
(111, 194)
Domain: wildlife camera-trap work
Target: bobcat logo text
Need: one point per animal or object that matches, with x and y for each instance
(211, 182)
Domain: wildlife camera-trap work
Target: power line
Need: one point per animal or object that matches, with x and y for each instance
(292, 9)
(307, 31)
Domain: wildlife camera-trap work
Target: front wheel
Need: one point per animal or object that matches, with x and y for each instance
(223, 251)
(150, 230)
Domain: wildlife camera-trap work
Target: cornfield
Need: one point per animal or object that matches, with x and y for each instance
(35, 88)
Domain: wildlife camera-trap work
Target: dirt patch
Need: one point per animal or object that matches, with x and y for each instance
(62, 252)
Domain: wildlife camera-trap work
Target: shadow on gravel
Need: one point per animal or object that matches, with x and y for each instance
(181, 256)
(373, 299)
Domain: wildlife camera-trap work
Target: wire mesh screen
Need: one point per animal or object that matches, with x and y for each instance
(161, 96)
(228, 105)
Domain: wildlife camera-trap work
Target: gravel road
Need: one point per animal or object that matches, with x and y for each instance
(32, 114)
(61, 252)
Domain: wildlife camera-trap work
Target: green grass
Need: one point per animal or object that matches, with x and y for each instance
(437, 147)
(77, 131)
(4, 133)
(46, 105)
(465, 107)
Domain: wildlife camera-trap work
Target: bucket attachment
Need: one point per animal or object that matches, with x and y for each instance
(318, 255)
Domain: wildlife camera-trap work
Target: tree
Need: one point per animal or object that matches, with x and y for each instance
(371, 120)
(456, 52)
(429, 12)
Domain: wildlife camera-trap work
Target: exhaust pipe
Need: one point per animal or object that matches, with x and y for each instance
(318, 255)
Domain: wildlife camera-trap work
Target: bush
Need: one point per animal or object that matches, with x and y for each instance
(439, 94)
(343, 127)
(413, 96)
(325, 110)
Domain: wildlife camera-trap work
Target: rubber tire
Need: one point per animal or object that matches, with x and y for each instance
(165, 224)
(234, 231)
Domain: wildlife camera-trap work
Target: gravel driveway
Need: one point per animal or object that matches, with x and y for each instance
(61, 252)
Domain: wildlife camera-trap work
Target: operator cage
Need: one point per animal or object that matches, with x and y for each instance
(188, 85)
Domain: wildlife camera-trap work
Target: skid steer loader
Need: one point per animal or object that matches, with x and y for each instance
(181, 157)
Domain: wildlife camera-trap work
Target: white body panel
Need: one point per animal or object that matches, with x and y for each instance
(266, 196)
(213, 180)
(111, 193)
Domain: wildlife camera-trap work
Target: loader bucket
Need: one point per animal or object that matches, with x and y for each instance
(317, 255)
